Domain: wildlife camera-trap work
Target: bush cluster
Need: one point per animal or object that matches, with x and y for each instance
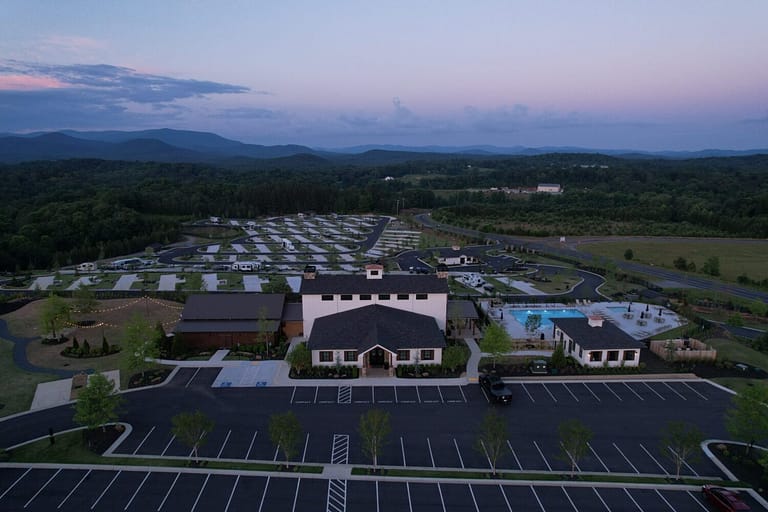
(85, 350)
(327, 372)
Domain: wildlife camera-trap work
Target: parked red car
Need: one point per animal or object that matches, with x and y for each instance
(723, 499)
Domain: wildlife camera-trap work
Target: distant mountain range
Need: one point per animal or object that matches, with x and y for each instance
(166, 145)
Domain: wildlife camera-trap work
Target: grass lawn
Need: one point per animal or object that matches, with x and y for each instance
(738, 384)
(18, 387)
(735, 351)
(736, 256)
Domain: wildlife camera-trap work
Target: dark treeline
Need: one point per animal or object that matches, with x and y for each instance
(64, 212)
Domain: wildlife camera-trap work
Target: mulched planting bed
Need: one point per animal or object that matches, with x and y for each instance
(745, 467)
(98, 439)
(149, 378)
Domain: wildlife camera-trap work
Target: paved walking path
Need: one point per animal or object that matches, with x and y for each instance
(20, 353)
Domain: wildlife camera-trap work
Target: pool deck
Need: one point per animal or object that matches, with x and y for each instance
(626, 316)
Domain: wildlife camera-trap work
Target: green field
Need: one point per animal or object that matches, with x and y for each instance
(736, 256)
(19, 386)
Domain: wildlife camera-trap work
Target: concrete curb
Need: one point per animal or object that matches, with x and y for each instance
(711, 456)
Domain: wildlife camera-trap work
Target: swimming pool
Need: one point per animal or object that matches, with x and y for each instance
(521, 315)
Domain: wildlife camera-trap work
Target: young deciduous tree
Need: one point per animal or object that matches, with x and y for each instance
(495, 341)
(681, 443)
(191, 428)
(300, 358)
(454, 356)
(285, 432)
(747, 420)
(492, 438)
(374, 429)
(53, 314)
(85, 299)
(574, 442)
(97, 403)
(532, 323)
(139, 345)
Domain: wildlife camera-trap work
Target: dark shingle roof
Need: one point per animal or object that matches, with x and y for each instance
(293, 312)
(607, 337)
(363, 328)
(198, 326)
(462, 309)
(234, 306)
(390, 283)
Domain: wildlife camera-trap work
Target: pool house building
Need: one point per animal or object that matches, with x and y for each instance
(593, 342)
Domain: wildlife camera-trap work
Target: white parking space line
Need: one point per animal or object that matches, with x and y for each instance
(440, 492)
(193, 448)
(41, 489)
(635, 392)
(202, 488)
(537, 499)
(485, 395)
(485, 451)
(441, 394)
(168, 445)
(261, 503)
(569, 498)
(402, 450)
(193, 377)
(612, 391)
(418, 395)
(106, 489)
(571, 392)
(684, 462)
(142, 441)
(136, 491)
(218, 455)
(514, 455)
(461, 389)
(377, 496)
(691, 388)
(625, 457)
(527, 393)
(506, 500)
(602, 500)
(598, 457)
(395, 388)
(167, 493)
(471, 492)
(694, 498)
(591, 392)
(653, 458)
(14, 483)
(232, 493)
(373, 394)
(431, 457)
(408, 489)
(250, 446)
(665, 500)
(277, 451)
(74, 488)
(571, 459)
(653, 390)
(296, 495)
(633, 500)
(304, 453)
(542, 455)
(461, 461)
(549, 392)
(673, 390)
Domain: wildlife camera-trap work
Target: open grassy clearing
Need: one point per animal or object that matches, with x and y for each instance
(732, 350)
(19, 386)
(113, 313)
(736, 256)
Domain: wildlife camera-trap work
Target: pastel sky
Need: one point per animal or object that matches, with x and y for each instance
(612, 74)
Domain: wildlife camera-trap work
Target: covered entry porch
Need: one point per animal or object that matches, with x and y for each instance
(378, 360)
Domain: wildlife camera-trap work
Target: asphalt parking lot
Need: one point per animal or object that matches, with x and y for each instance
(168, 490)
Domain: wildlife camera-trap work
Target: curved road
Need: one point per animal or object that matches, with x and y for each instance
(688, 280)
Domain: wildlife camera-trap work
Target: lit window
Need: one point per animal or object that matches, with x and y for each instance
(595, 355)
(350, 355)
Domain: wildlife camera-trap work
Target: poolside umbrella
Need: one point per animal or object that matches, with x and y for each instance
(647, 306)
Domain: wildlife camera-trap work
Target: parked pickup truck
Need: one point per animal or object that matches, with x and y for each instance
(497, 390)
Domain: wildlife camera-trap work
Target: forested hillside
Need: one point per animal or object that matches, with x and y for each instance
(63, 212)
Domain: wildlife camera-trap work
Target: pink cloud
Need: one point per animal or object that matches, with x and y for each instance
(26, 82)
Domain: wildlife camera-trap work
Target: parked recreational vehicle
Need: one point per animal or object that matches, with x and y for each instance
(245, 266)
(88, 266)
